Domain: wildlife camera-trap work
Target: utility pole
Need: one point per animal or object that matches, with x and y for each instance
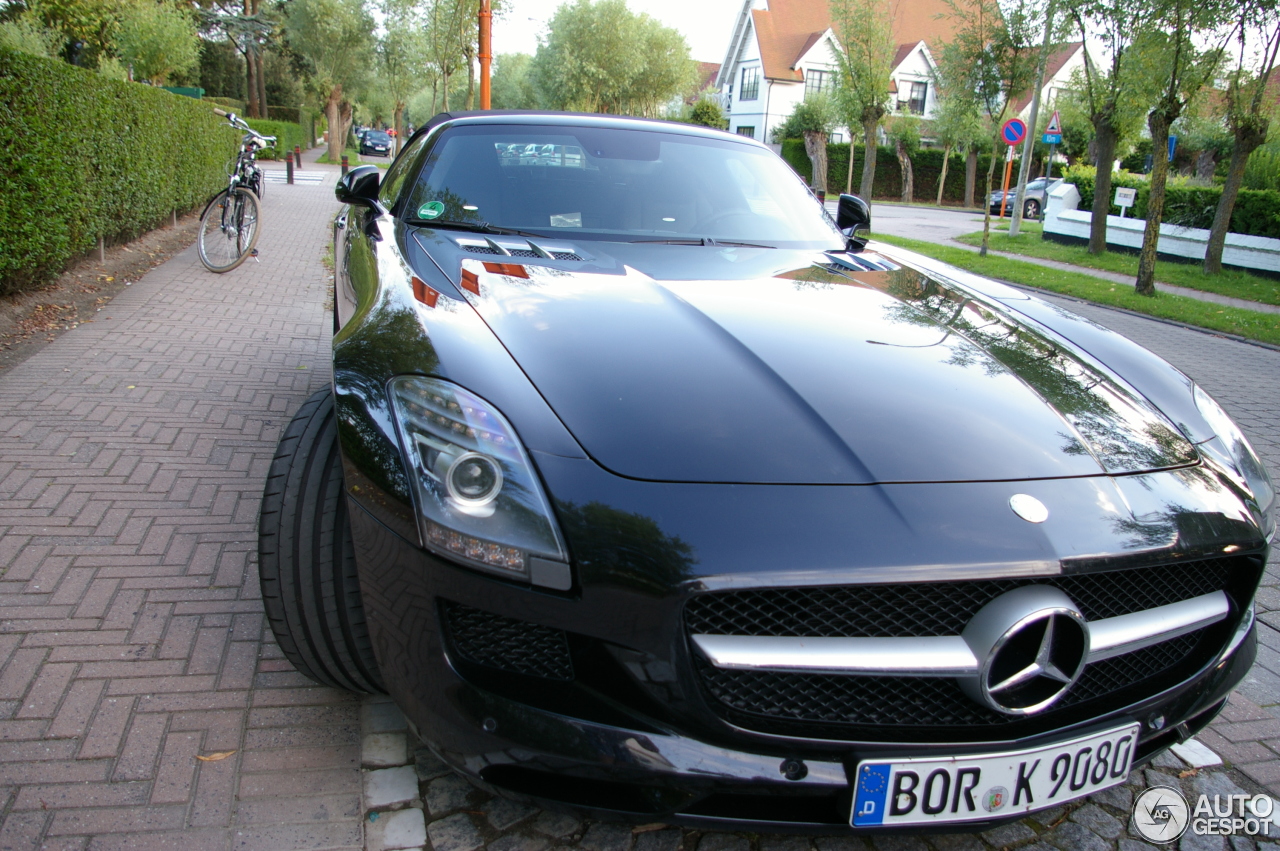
(486, 50)
(1028, 146)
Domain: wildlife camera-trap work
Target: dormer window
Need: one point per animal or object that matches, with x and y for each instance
(818, 82)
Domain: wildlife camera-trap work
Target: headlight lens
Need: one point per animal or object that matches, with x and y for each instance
(1240, 455)
(478, 498)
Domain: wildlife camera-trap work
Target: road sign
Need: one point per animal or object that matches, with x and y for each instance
(1052, 138)
(1014, 131)
(1125, 198)
(1055, 125)
(1173, 146)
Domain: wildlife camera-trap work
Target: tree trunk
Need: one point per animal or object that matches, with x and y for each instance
(1249, 136)
(848, 180)
(970, 176)
(1105, 136)
(986, 208)
(942, 180)
(1205, 165)
(1159, 121)
(396, 116)
(471, 79)
(908, 175)
(264, 110)
(869, 150)
(815, 145)
(336, 138)
(444, 93)
(251, 80)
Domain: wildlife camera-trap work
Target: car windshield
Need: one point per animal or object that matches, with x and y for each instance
(377, 136)
(604, 183)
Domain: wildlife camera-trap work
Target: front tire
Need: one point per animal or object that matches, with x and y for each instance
(306, 562)
(228, 230)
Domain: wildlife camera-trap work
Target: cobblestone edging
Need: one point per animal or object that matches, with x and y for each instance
(413, 801)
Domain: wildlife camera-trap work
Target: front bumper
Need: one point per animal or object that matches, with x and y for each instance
(607, 747)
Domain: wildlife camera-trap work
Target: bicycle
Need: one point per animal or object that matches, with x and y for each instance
(229, 223)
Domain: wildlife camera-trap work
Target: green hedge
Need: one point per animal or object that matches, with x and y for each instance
(302, 116)
(926, 166)
(1257, 211)
(89, 157)
(287, 135)
(229, 104)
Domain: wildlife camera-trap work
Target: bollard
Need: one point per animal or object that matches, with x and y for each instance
(102, 250)
(297, 156)
(288, 167)
(345, 166)
(822, 196)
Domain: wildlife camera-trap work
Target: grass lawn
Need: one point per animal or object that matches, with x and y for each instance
(1230, 283)
(1246, 323)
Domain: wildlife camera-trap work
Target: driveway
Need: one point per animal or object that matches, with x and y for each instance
(143, 702)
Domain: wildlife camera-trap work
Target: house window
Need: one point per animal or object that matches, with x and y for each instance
(750, 89)
(918, 93)
(746, 130)
(818, 82)
(836, 138)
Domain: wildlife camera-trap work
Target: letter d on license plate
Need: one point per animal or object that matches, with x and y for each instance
(985, 786)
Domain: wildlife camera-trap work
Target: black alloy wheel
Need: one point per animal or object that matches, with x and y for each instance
(305, 559)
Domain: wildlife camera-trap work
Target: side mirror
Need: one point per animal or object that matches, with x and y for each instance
(359, 187)
(853, 215)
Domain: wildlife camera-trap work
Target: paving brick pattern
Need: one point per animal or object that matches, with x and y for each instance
(132, 638)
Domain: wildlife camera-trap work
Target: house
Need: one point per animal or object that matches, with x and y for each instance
(1062, 65)
(781, 51)
(707, 74)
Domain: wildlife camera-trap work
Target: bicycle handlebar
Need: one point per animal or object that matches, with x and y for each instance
(239, 123)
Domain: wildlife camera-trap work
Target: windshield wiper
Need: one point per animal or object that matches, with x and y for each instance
(700, 240)
(478, 227)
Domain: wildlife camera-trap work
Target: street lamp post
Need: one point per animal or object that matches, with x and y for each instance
(486, 51)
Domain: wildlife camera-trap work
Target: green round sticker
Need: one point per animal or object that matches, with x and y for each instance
(431, 210)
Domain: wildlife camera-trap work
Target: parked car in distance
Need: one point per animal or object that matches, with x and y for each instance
(376, 142)
(646, 488)
(1033, 200)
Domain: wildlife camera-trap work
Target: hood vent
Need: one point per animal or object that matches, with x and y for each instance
(863, 262)
(526, 249)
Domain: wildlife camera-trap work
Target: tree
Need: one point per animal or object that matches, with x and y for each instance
(600, 57)
(512, 86)
(1247, 120)
(25, 34)
(333, 38)
(88, 27)
(812, 120)
(957, 125)
(864, 62)
(998, 49)
(1114, 98)
(247, 27)
(446, 31)
(157, 39)
(401, 54)
(904, 132)
(1183, 71)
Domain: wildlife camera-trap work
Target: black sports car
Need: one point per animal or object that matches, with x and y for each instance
(646, 488)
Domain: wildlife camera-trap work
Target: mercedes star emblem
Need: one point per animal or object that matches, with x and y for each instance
(1032, 644)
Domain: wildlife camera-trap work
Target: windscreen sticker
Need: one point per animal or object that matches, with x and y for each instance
(431, 210)
(566, 220)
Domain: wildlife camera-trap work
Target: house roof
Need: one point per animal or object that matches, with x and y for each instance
(707, 73)
(1060, 57)
(789, 28)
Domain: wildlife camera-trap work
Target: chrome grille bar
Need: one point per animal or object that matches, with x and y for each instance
(946, 656)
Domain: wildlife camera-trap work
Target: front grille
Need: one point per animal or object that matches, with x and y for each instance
(871, 708)
(940, 608)
(507, 644)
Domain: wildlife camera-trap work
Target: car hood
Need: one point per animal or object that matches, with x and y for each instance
(802, 368)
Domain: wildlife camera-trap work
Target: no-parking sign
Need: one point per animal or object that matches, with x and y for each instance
(1014, 131)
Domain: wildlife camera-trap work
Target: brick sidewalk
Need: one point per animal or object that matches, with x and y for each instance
(132, 640)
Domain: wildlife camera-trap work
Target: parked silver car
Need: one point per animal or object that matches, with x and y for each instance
(1033, 203)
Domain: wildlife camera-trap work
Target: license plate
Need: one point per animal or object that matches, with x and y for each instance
(971, 788)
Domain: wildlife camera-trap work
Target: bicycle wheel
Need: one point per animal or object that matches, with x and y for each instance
(228, 230)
